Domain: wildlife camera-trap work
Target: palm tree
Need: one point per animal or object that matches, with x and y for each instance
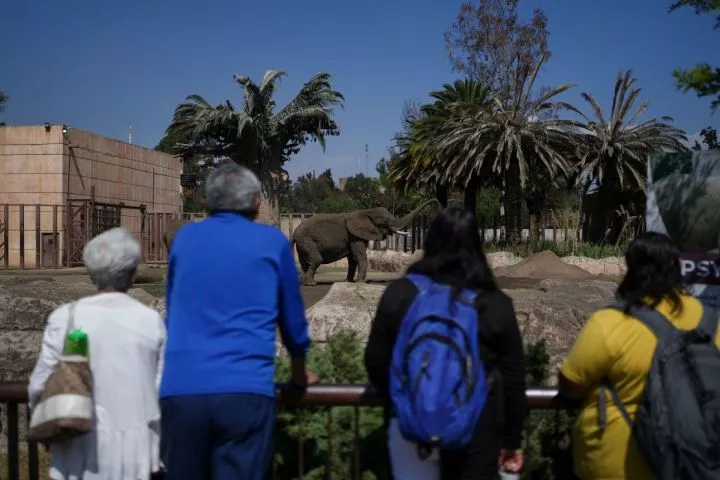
(3, 101)
(614, 151)
(418, 162)
(519, 134)
(256, 135)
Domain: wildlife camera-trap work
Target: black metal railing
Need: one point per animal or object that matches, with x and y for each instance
(318, 398)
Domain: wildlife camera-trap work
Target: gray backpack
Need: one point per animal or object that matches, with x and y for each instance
(677, 426)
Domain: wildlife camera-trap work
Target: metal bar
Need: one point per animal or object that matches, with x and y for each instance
(56, 257)
(68, 231)
(334, 395)
(13, 442)
(33, 458)
(6, 237)
(37, 236)
(301, 448)
(21, 215)
(356, 446)
(329, 427)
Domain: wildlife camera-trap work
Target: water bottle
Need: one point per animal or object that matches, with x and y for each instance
(76, 343)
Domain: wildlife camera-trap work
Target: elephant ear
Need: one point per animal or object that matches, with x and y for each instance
(360, 226)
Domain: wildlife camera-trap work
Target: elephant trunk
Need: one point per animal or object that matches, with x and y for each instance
(405, 221)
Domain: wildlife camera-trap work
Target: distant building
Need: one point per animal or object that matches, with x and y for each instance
(61, 186)
(341, 183)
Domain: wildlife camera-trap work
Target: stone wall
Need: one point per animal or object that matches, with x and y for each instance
(390, 261)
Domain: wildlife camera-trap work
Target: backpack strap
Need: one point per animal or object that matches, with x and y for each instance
(709, 321)
(658, 324)
(421, 282)
(606, 386)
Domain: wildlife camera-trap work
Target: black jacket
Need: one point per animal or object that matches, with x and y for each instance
(501, 349)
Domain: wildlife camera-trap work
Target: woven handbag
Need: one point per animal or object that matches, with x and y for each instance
(65, 408)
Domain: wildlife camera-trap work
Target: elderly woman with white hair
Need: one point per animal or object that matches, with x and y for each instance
(125, 340)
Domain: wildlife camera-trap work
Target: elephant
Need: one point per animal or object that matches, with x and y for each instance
(328, 237)
(171, 230)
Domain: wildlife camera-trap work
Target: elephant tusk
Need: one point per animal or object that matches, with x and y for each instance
(400, 232)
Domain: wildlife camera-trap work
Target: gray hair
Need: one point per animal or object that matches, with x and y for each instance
(111, 258)
(232, 187)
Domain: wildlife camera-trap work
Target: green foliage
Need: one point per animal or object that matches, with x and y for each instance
(547, 438)
(364, 191)
(710, 139)
(3, 100)
(589, 250)
(340, 360)
(489, 200)
(704, 79)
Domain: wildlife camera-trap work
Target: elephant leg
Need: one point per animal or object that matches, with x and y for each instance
(310, 260)
(352, 267)
(359, 251)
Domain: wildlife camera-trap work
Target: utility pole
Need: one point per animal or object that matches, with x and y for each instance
(130, 134)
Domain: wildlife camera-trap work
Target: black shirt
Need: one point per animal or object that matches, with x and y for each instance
(501, 349)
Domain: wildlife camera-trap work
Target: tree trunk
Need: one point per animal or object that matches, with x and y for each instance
(513, 204)
(269, 210)
(441, 193)
(470, 200)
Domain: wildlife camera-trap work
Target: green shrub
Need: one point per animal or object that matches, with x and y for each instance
(340, 360)
(560, 249)
(546, 443)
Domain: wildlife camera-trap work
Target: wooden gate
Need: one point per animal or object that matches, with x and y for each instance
(87, 218)
(76, 231)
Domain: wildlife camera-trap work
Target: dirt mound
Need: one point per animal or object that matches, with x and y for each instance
(543, 265)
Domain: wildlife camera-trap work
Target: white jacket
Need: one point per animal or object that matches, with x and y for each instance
(126, 341)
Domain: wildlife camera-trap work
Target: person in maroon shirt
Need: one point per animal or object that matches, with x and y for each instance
(454, 255)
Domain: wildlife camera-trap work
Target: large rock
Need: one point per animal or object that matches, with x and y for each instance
(554, 310)
(25, 303)
(346, 306)
(392, 261)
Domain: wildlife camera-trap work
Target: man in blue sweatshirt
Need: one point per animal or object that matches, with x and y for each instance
(231, 283)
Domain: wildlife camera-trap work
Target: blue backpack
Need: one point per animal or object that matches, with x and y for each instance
(438, 384)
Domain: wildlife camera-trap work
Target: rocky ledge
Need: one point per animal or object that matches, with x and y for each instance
(553, 310)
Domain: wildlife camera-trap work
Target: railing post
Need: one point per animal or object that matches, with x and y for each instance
(33, 458)
(13, 439)
(37, 236)
(21, 215)
(6, 237)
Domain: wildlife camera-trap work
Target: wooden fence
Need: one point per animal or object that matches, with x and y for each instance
(53, 236)
(549, 228)
(42, 236)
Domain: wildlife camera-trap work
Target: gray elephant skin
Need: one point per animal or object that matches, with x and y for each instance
(328, 237)
(172, 229)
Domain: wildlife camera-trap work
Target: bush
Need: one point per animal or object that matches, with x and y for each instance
(340, 360)
(560, 249)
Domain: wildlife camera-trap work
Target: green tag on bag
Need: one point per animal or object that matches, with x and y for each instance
(76, 343)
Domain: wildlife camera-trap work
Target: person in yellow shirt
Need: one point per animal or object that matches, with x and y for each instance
(618, 347)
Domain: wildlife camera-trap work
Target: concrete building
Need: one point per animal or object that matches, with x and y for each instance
(61, 186)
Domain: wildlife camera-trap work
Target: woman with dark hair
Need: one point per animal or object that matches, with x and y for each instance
(454, 257)
(616, 347)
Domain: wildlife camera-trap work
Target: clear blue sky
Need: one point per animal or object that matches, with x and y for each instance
(102, 66)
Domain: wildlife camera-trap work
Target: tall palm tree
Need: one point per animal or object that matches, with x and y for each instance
(3, 101)
(256, 135)
(521, 133)
(418, 161)
(614, 150)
